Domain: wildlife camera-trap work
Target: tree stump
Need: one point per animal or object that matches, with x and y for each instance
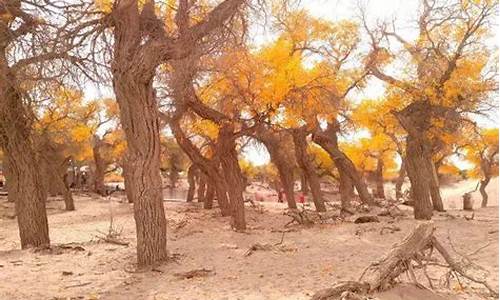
(468, 201)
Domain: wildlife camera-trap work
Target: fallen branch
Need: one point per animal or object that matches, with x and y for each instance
(194, 273)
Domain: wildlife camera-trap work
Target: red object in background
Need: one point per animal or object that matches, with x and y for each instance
(302, 198)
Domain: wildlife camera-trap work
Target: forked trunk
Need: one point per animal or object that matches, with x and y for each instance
(304, 161)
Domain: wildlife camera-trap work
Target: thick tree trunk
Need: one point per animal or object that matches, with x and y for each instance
(379, 178)
(139, 119)
(401, 179)
(419, 178)
(25, 182)
(482, 190)
(304, 161)
(328, 141)
(226, 151)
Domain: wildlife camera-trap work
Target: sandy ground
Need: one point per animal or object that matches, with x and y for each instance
(317, 256)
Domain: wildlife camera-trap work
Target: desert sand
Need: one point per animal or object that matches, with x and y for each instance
(313, 257)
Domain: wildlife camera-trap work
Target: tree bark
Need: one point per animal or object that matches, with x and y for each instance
(133, 86)
(100, 167)
(304, 187)
(304, 161)
(327, 139)
(209, 196)
(437, 201)
(401, 179)
(275, 144)
(482, 190)
(226, 152)
(346, 189)
(419, 178)
(192, 182)
(25, 181)
(379, 175)
(208, 167)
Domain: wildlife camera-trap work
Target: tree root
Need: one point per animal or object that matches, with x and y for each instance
(406, 257)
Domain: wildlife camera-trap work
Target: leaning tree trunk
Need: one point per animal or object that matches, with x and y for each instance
(304, 161)
(281, 160)
(437, 201)
(416, 162)
(232, 173)
(328, 141)
(401, 179)
(482, 190)
(25, 182)
(139, 119)
(379, 178)
(209, 168)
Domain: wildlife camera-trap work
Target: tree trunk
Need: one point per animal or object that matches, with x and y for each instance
(275, 142)
(69, 203)
(419, 177)
(208, 167)
(437, 202)
(482, 190)
(328, 141)
(304, 161)
(25, 182)
(192, 183)
(379, 177)
(126, 184)
(346, 189)
(232, 173)
(100, 168)
(209, 197)
(9, 182)
(139, 119)
(401, 179)
(304, 187)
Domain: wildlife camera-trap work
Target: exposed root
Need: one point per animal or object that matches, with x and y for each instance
(411, 254)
